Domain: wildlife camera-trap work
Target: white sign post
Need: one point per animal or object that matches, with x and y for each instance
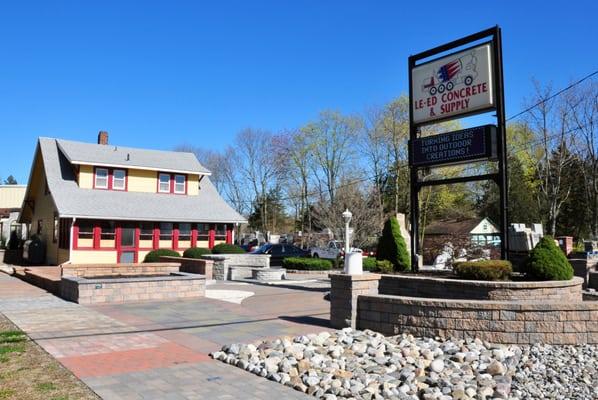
(460, 83)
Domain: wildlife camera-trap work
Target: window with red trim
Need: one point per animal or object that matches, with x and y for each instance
(119, 179)
(107, 234)
(110, 179)
(164, 183)
(220, 232)
(166, 229)
(101, 178)
(146, 234)
(179, 184)
(203, 232)
(185, 232)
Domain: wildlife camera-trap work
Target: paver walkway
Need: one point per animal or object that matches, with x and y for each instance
(159, 350)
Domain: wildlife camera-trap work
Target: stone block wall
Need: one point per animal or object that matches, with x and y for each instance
(223, 262)
(344, 291)
(91, 270)
(445, 288)
(96, 291)
(494, 321)
(192, 265)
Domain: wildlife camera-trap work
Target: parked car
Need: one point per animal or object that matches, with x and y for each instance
(279, 252)
(334, 249)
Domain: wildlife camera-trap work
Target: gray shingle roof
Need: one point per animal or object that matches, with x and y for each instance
(106, 154)
(73, 201)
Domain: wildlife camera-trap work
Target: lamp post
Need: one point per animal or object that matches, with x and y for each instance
(347, 215)
(353, 261)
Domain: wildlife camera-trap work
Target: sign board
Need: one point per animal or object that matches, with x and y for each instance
(461, 83)
(472, 144)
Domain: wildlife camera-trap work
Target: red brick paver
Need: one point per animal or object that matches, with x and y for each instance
(118, 362)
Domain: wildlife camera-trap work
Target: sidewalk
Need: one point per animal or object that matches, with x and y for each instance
(159, 350)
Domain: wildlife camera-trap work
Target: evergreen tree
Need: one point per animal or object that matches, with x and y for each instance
(10, 180)
(392, 246)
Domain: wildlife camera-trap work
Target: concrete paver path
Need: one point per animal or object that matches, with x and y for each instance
(159, 350)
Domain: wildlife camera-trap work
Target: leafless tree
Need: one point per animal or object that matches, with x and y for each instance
(582, 108)
(333, 137)
(550, 121)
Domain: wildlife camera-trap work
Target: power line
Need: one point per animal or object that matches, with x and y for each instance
(552, 96)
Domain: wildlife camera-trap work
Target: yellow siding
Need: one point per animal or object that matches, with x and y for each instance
(11, 196)
(147, 244)
(184, 244)
(93, 257)
(202, 243)
(193, 185)
(44, 214)
(165, 244)
(138, 180)
(86, 176)
(142, 181)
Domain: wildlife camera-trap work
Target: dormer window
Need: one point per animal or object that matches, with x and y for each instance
(179, 184)
(119, 179)
(110, 179)
(101, 178)
(164, 183)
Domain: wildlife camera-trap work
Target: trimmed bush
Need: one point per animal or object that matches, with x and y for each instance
(196, 252)
(308, 264)
(392, 246)
(484, 270)
(369, 264)
(384, 267)
(154, 255)
(547, 262)
(225, 248)
(372, 265)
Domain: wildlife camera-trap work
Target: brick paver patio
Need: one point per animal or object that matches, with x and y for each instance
(159, 350)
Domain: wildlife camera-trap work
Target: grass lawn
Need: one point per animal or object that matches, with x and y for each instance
(27, 372)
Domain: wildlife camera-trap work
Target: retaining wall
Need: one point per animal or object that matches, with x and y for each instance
(192, 265)
(445, 288)
(91, 270)
(121, 290)
(222, 262)
(494, 321)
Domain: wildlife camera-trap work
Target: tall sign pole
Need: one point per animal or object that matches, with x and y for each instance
(447, 87)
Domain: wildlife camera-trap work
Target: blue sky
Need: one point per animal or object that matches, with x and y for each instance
(158, 74)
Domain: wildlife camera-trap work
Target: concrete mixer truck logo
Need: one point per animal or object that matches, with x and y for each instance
(460, 71)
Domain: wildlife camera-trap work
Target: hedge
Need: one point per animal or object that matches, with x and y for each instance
(196, 252)
(547, 262)
(225, 248)
(313, 264)
(484, 270)
(392, 246)
(154, 255)
(373, 265)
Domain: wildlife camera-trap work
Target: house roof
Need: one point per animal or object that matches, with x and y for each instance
(73, 201)
(454, 226)
(127, 157)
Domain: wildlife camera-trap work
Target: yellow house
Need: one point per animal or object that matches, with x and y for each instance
(101, 203)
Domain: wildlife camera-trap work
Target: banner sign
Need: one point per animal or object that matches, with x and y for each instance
(453, 85)
(477, 143)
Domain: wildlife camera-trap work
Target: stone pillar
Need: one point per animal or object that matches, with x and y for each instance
(344, 290)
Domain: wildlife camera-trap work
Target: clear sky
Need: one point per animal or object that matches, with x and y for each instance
(157, 74)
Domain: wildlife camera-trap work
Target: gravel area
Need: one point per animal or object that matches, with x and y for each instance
(366, 365)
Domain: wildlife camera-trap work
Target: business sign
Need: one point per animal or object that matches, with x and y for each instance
(477, 143)
(453, 85)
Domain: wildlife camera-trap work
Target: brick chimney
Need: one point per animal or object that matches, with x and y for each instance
(103, 137)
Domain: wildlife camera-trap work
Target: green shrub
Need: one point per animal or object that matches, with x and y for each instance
(547, 262)
(313, 264)
(154, 255)
(384, 266)
(369, 264)
(485, 270)
(225, 248)
(372, 265)
(196, 252)
(392, 246)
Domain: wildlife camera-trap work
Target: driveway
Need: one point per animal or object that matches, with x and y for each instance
(159, 350)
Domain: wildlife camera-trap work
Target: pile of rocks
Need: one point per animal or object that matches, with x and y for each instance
(367, 365)
(557, 372)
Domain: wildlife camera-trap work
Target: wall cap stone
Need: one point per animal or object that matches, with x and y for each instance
(492, 284)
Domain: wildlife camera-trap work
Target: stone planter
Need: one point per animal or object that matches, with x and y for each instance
(268, 274)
